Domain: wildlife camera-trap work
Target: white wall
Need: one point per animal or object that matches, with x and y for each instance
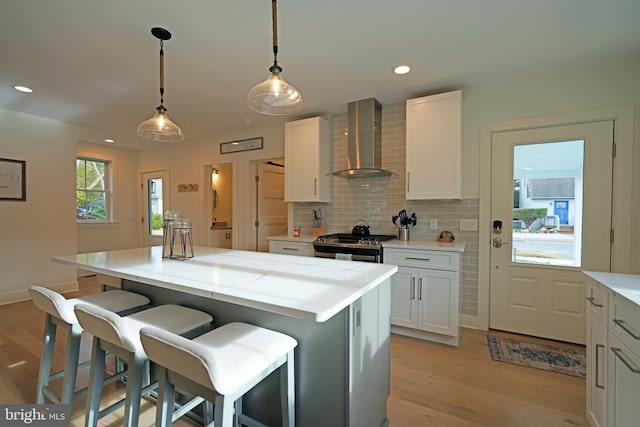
(186, 164)
(43, 226)
(124, 231)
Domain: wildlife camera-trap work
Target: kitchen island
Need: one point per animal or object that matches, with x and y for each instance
(337, 310)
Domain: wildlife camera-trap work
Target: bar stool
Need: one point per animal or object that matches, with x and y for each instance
(59, 312)
(121, 337)
(221, 366)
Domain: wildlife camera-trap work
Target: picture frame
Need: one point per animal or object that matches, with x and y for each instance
(241, 145)
(13, 184)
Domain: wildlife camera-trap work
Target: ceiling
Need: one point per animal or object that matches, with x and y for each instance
(95, 63)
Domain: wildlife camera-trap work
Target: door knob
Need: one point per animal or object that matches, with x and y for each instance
(497, 242)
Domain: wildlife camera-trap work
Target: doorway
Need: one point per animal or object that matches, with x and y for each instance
(155, 201)
(271, 209)
(536, 284)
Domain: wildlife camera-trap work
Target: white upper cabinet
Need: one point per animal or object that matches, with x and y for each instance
(306, 151)
(434, 169)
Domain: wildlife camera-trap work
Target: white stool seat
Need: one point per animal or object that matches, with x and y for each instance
(121, 336)
(229, 361)
(55, 304)
(59, 312)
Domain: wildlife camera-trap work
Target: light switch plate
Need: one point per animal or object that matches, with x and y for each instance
(469, 224)
(434, 224)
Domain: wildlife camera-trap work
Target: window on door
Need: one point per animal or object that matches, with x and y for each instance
(547, 203)
(93, 190)
(155, 207)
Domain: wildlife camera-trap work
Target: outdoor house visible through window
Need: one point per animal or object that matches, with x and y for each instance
(92, 190)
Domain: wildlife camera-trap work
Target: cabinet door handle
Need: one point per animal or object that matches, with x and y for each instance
(291, 249)
(408, 175)
(593, 302)
(420, 289)
(315, 186)
(410, 258)
(618, 353)
(598, 347)
(413, 288)
(626, 329)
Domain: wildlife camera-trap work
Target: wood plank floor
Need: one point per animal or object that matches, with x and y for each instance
(431, 384)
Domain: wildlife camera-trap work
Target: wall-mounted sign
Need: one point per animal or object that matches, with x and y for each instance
(242, 145)
(184, 188)
(13, 180)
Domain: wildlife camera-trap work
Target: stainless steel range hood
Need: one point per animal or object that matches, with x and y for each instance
(364, 143)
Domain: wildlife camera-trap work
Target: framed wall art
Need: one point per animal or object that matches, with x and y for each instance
(13, 185)
(242, 145)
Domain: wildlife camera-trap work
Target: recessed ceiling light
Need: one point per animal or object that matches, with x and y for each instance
(23, 89)
(109, 140)
(401, 69)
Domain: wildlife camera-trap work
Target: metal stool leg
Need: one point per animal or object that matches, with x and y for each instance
(96, 375)
(48, 347)
(71, 370)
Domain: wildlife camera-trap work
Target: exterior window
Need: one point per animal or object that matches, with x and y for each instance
(92, 190)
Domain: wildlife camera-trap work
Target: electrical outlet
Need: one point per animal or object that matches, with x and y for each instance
(434, 224)
(469, 224)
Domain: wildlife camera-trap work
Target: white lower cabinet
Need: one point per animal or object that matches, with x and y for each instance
(597, 318)
(613, 350)
(424, 294)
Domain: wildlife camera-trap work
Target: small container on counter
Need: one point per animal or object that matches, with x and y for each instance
(297, 231)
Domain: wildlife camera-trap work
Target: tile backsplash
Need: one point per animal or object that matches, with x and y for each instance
(377, 199)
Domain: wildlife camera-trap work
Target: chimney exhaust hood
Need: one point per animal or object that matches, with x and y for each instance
(364, 143)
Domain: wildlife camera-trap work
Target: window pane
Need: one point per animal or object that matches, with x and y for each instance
(155, 210)
(547, 214)
(80, 173)
(95, 175)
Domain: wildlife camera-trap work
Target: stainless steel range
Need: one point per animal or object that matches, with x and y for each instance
(351, 247)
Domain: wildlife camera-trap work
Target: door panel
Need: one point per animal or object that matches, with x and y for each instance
(536, 285)
(271, 207)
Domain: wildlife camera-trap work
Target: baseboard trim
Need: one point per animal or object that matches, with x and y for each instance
(468, 321)
(23, 294)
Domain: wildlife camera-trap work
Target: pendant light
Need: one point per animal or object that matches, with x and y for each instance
(274, 96)
(160, 127)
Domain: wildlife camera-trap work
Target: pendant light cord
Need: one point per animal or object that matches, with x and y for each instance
(274, 23)
(162, 75)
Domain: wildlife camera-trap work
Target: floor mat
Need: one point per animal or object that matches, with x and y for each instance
(545, 357)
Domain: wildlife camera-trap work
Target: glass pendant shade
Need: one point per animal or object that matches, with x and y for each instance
(274, 96)
(160, 128)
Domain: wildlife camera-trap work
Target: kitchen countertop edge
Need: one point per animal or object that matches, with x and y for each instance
(417, 244)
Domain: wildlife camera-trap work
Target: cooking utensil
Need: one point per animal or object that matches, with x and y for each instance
(394, 219)
(413, 220)
(403, 217)
(361, 228)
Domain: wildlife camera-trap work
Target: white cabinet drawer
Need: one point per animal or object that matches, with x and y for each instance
(597, 301)
(625, 322)
(437, 260)
(290, 248)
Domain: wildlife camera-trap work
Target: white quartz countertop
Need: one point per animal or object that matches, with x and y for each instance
(289, 238)
(417, 244)
(302, 287)
(626, 285)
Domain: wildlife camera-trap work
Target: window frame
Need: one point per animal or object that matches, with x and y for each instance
(108, 190)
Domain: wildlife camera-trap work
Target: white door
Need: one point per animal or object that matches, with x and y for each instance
(271, 215)
(154, 200)
(536, 285)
